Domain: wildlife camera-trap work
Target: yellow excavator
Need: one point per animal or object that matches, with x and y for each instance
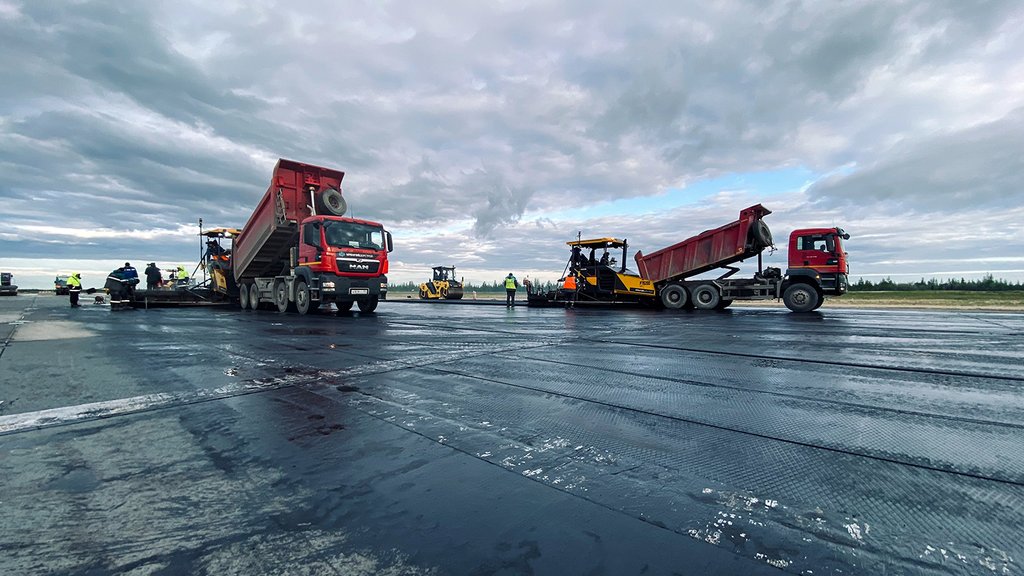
(601, 278)
(444, 286)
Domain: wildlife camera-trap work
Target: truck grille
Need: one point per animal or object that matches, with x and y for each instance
(358, 265)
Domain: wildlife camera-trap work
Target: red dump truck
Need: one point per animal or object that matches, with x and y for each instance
(817, 266)
(298, 251)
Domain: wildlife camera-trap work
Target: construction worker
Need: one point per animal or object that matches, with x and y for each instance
(152, 276)
(131, 279)
(510, 289)
(182, 274)
(75, 288)
(569, 289)
(115, 287)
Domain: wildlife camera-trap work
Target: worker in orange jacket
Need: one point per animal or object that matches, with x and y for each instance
(569, 289)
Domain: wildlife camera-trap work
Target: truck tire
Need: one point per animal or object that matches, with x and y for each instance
(368, 305)
(243, 296)
(723, 304)
(254, 296)
(706, 297)
(801, 298)
(673, 296)
(343, 307)
(332, 202)
(281, 296)
(302, 302)
(761, 235)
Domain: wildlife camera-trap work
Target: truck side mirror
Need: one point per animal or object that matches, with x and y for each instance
(311, 235)
(389, 244)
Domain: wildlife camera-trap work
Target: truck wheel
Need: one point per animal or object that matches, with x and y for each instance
(368, 305)
(254, 296)
(673, 296)
(343, 307)
(302, 297)
(761, 235)
(281, 296)
(332, 202)
(706, 297)
(723, 304)
(801, 298)
(243, 296)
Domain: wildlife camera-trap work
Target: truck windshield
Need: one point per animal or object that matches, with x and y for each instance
(352, 235)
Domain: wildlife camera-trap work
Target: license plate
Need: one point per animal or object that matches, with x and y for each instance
(359, 291)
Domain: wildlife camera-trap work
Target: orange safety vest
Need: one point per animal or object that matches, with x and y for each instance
(570, 283)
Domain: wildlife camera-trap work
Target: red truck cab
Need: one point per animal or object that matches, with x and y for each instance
(818, 252)
(345, 246)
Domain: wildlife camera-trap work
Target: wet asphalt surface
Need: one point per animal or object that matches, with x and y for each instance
(474, 439)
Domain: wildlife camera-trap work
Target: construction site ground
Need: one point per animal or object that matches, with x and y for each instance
(481, 439)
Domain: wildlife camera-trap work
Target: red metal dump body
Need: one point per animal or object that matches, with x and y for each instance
(706, 251)
(262, 247)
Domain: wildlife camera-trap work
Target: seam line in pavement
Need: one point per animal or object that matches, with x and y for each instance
(965, 419)
(813, 360)
(738, 431)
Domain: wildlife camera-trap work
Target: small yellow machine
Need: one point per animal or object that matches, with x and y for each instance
(444, 286)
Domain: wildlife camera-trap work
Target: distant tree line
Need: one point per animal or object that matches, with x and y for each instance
(985, 284)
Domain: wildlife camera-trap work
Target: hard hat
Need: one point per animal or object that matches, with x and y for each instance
(127, 263)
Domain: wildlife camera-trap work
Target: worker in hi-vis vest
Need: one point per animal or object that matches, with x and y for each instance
(74, 288)
(510, 289)
(569, 289)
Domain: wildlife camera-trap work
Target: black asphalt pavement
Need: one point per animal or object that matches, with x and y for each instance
(477, 439)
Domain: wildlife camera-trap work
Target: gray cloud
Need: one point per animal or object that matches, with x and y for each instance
(978, 167)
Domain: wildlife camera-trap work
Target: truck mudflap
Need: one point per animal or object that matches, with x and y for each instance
(344, 289)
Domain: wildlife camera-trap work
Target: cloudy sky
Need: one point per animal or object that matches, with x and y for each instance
(486, 134)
